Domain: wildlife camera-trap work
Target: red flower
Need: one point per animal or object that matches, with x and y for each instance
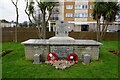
(75, 57)
(55, 57)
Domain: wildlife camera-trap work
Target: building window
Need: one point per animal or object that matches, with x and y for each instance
(68, 0)
(83, 7)
(54, 15)
(77, 14)
(69, 15)
(80, 15)
(69, 6)
(91, 6)
(86, 6)
(90, 14)
(84, 15)
(77, 7)
(56, 7)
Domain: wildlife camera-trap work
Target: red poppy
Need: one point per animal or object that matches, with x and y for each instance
(73, 55)
(53, 54)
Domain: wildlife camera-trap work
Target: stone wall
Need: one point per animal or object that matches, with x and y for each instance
(93, 51)
(30, 50)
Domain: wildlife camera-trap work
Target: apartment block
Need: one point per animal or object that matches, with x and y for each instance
(78, 13)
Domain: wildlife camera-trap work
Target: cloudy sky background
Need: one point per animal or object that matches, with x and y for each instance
(7, 10)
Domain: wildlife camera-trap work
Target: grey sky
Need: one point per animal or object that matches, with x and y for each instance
(7, 10)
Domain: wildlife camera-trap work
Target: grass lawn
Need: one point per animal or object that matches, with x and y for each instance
(14, 65)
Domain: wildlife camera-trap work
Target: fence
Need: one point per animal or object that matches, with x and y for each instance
(8, 34)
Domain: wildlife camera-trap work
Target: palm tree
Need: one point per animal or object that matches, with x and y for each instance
(107, 10)
(43, 7)
(112, 9)
(97, 13)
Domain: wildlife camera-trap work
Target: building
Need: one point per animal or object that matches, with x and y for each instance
(76, 12)
(13, 24)
(4, 23)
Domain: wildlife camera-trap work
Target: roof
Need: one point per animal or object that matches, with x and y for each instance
(4, 21)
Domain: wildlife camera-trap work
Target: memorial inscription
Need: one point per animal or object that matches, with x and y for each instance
(62, 51)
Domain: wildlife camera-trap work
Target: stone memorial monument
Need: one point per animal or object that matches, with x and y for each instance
(62, 38)
(62, 45)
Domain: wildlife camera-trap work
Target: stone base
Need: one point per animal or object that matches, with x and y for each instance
(80, 47)
(61, 40)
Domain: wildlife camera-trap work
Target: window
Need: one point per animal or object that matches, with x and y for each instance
(69, 15)
(54, 15)
(80, 15)
(77, 7)
(84, 15)
(86, 7)
(91, 6)
(90, 14)
(77, 14)
(68, 0)
(56, 7)
(82, 6)
(69, 6)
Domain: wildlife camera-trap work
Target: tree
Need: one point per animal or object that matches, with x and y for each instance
(25, 24)
(41, 21)
(15, 4)
(108, 12)
(28, 13)
(45, 6)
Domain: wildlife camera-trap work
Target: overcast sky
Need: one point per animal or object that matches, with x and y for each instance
(7, 10)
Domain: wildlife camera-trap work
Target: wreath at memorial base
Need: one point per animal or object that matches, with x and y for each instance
(52, 56)
(72, 57)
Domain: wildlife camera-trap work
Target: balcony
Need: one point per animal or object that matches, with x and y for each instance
(55, 10)
(54, 18)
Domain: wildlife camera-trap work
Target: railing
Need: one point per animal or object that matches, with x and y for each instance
(55, 10)
(54, 18)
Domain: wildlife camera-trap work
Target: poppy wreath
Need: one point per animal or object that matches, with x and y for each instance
(53, 54)
(72, 57)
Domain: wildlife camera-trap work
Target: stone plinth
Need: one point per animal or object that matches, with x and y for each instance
(37, 59)
(44, 47)
(61, 40)
(86, 59)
